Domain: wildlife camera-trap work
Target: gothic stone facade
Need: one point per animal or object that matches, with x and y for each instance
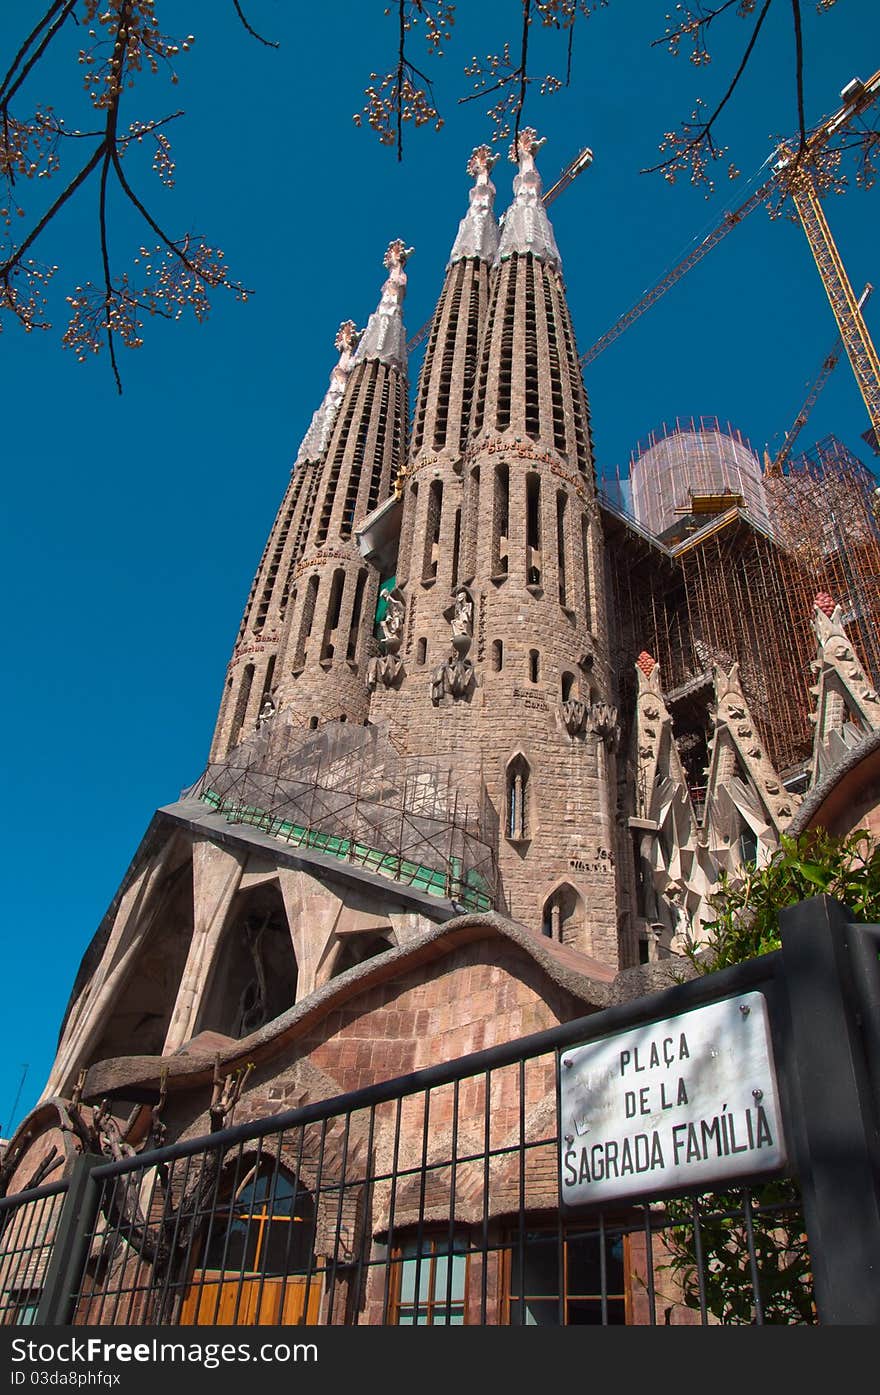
(421, 831)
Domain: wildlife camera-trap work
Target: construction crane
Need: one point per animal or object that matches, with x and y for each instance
(792, 172)
(569, 175)
(728, 222)
(829, 363)
(857, 96)
(575, 167)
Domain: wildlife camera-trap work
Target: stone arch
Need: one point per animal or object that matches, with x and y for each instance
(518, 800)
(254, 975)
(147, 965)
(563, 916)
(352, 950)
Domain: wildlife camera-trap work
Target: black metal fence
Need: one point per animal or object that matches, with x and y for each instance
(434, 1199)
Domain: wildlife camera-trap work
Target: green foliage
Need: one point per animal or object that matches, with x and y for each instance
(746, 925)
(746, 906)
(781, 1255)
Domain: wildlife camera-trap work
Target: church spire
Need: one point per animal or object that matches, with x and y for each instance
(251, 677)
(430, 530)
(526, 225)
(384, 338)
(314, 443)
(478, 229)
(332, 596)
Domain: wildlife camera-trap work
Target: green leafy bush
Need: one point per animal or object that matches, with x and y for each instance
(747, 905)
(746, 925)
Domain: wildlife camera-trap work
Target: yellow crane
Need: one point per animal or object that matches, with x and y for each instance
(829, 363)
(793, 171)
(797, 176)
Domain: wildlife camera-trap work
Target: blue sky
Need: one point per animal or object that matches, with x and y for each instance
(133, 524)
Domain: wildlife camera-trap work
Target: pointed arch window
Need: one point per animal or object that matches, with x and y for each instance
(244, 694)
(518, 822)
(306, 620)
(562, 917)
(431, 556)
(533, 530)
(500, 522)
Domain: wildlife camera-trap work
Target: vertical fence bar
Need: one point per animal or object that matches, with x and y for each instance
(649, 1267)
(487, 1116)
(700, 1258)
(453, 1162)
(521, 1208)
(389, 1260)
(753, 1258)
(72, 1237)
(343, 1165)
(864, 946)
(835, 1133)
(361, 1230)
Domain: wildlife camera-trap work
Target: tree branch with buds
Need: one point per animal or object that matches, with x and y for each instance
(124, 39)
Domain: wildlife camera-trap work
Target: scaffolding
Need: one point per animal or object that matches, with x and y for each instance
(690, 459)
(348, 793)
(729, 589)
(821, 508)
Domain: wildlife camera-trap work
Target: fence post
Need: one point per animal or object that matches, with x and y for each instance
(69, 1251)
(835, 1137)
(864, 946)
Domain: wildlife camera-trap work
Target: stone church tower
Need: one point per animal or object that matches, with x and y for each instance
(306, 625)
(505, 671)
(492, 658)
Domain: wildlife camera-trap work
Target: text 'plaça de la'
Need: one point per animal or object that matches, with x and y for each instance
(667, 1053)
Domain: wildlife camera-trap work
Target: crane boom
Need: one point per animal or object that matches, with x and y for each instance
(856, 97)
(569, 174)
(853, 330)
(829, 364)
(729, 221)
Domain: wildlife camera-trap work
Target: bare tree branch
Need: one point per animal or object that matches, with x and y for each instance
(125, 38)
(66, 6)
(799, 72)
(90, 165)
(523, 67)
(693, 27)
(270, 43)
(703, 130)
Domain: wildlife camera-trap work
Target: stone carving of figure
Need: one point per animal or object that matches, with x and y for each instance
(267, 712)
(388, 667)
(391, 628)
(462, 620)
(456, 675)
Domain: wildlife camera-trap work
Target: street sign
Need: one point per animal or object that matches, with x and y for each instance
(690, 1101)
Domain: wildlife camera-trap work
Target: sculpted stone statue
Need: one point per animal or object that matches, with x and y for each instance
(267, 712)
(462, 621)
(388, 667)
(391, 628)
(456, 675)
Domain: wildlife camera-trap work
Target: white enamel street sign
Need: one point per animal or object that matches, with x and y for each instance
(680, 1103)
